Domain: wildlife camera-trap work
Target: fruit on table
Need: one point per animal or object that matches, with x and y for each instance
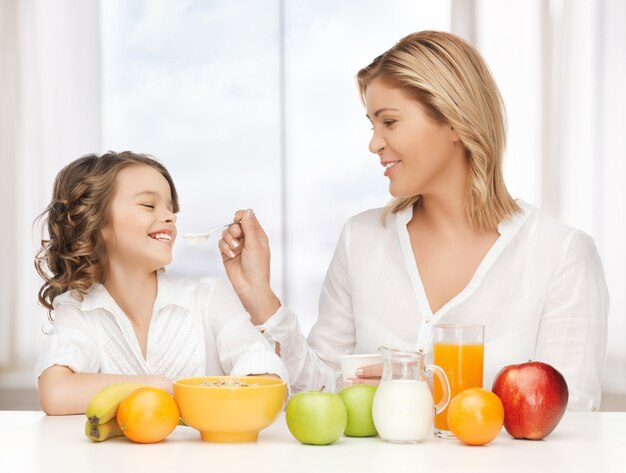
(103, 406)
(358, 401)
(534, 396)
(100, 432)
(148, 415)
(316, 417)
(475, 416)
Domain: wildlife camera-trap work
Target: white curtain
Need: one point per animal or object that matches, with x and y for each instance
(49, 115)
(585, 184)
(562, 69)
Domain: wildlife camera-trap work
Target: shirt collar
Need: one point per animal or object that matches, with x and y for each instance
(173, 291)
(510, 225)
(169, 292)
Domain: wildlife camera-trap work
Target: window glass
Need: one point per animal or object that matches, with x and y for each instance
(198, 85)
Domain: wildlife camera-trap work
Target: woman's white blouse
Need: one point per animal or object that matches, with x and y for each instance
(540, 292)
(198, 328)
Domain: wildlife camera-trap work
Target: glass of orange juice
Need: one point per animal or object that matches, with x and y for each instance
(459, 351)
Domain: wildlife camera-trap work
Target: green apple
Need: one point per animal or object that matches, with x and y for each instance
(358, 400)
(316, 417)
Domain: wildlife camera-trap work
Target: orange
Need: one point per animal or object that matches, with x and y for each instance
(148, 415)
(475, 416)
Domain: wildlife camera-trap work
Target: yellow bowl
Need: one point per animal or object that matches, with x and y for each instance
(226, 413)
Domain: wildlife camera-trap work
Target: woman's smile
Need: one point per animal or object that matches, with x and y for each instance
(388, 165)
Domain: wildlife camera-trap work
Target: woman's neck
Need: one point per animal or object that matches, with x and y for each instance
(442, 207)
(443, 214)
(133, 291)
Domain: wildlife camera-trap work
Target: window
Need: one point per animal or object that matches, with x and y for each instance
(254, 105)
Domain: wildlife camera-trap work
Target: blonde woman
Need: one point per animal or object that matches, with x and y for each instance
(452, 247)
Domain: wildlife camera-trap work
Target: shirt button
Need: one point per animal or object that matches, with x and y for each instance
(427, 321)
(262, 329)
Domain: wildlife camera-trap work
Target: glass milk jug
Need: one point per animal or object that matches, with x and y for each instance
(403, 408)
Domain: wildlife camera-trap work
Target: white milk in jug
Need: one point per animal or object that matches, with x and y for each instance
(403, 410)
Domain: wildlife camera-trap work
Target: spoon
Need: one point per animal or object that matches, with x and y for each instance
(194, 238)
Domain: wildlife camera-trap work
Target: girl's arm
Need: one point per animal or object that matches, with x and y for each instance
(63, 392)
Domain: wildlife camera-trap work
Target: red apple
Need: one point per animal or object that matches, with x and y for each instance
(534, 396)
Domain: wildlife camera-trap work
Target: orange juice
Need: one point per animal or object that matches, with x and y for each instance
(463, 365)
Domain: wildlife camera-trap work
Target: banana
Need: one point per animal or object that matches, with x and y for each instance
(103, 406)
(98, 433)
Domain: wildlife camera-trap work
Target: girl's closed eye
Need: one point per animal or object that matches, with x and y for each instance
(150, 206)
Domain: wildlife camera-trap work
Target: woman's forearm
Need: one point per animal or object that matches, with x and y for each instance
(260, 303)
(63, 392)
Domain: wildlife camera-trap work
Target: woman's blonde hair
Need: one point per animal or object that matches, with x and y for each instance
(451, 80)
(74, 255)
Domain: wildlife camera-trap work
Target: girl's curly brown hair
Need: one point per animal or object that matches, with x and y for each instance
(74, 256)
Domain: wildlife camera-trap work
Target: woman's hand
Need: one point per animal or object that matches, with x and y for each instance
(369, 374)
(245, 253)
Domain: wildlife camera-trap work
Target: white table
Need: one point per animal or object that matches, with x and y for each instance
(33, 442)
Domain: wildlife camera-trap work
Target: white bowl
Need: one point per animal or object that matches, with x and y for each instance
(350, 363)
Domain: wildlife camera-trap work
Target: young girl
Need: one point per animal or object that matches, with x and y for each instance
(452, 247)
(117, 317)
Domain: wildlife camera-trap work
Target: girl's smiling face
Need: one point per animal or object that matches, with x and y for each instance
(142, 224)
(417, 151)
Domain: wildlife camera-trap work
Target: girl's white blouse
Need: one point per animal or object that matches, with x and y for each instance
(540, 292)
(198, 328)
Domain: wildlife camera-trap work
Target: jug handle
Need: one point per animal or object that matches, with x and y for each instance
(445, 387)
